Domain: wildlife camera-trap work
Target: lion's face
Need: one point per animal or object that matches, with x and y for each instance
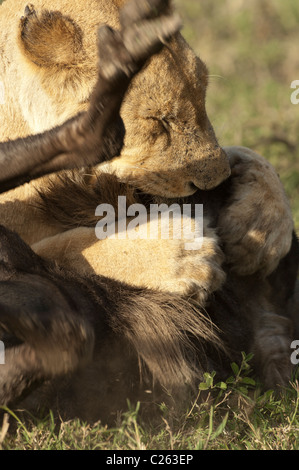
(170, 146)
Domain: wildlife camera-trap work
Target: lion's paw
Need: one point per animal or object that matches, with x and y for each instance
(195, 273)
(256, 225)
(139, 258)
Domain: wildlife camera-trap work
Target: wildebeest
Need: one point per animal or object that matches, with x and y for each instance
(83, 344)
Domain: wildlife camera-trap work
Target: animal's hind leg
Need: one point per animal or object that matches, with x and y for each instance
(271, 348)
(39, 344)
(49, 38)
(41, 325)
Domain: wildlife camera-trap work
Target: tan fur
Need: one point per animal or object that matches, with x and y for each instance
(160, 264)
(256, 230)
(256, 226)
(19, 212)
(169, 147)
(163, 264)
(169, 144)
(154, 157)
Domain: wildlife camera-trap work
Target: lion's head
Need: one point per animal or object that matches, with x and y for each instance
(170, 146)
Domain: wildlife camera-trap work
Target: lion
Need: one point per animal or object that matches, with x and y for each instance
(49, 89)
(170, 151)
(49, 65)
(64, 331)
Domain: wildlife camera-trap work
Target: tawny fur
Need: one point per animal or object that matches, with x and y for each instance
(256, 223)
(197, 272)
(166, 264)
(47, 95)
(167, 129)
(54, 322)
(193, 273)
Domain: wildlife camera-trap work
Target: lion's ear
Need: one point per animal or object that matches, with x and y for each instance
(50, 39)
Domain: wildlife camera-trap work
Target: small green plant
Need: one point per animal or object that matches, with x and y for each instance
(239, 381)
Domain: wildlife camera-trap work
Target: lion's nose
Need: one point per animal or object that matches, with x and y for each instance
(211, 171)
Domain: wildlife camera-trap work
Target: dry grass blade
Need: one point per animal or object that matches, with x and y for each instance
(4, 428)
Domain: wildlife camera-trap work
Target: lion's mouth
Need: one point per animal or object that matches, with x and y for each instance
(192, 187)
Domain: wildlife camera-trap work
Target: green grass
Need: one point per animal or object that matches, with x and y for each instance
(251, 49)
(231, 415)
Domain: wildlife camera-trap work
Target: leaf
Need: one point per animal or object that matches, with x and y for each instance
(221, 385)
(203, 386)
(235, 368)
(247, 357)
(243, 390)
(220, 428)
(248, 381)
(209, 379)
(230, 380)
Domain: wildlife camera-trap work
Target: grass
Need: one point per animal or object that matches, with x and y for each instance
(251, 49)
(231, 415)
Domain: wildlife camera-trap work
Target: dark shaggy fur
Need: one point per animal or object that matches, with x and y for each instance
(70, 198)
(55, 323)
(257, 306)
(130, 340)
(83, 345)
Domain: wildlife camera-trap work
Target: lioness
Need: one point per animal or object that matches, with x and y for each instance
(55, 320)
(44, 89)
(49, 67)
(57, 325)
